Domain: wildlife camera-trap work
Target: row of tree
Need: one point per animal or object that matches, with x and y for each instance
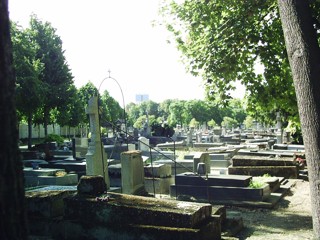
(46, 94)
(186, 113)
(45, 90)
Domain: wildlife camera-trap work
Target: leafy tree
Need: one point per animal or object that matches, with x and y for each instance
(197, 110)
(71, 114)
(149, 107)
(141, 121)
(211, 123)
(237, 109)
(111, 109)
(248, 122)
(56, 75)
(229, 122)
(223, 41)
(164, 110)
(133, 112)
(304, 56)
(13, 221)
(178, 113)
(29, 95)
(194, 123)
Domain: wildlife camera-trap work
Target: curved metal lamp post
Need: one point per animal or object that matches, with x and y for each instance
(124, 106)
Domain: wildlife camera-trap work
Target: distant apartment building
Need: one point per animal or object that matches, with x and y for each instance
(142, 98)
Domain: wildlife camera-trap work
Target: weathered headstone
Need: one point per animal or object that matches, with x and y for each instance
(143, 144)
(132, 172)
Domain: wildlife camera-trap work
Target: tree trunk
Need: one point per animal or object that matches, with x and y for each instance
(304, 57)
(13, 223)
(29, 131)
(45, 122)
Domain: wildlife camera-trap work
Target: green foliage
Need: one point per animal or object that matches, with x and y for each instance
(54, 138)
(225, 41)
(28, 69)
(256, 184)
(111, 110)
(229, 122)
(295, 131)
(211, 123)
(142, 120)
(194, 123)
(248, 122)
(56, 76)
(181, 112)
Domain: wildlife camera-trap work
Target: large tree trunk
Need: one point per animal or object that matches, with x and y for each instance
(304, 57)
(12, 211)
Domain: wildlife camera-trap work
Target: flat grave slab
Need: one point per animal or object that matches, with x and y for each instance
(276, 171)
(190, 178)
(213, 193)
(247, 160)
(127, 209)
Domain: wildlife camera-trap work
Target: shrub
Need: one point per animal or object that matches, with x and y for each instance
(256, 184)
(54, 138)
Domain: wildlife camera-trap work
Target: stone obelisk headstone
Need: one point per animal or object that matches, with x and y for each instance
(96, 158)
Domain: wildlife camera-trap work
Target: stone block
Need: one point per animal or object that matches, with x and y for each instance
(221, 193)
(246, 160)
(157, 170)
(201, 157)
(180, 166)
(212, 180)
(158, 185)
(122, 209)
(45, 204)
(92, 185)
(276, 171)
(220, 163)
(132, 172)
(68, 179)
(41, 172)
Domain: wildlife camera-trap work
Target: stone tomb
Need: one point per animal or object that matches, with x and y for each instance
(156, 177)
(97, 215)
(48, 176)
(217, 188)
(285, 167)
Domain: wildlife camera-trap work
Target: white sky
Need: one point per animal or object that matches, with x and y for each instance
(102, 35)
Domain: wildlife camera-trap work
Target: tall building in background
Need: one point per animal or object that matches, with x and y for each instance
(142, 98)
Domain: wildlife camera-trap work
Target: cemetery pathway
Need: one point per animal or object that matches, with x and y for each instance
(289, 220)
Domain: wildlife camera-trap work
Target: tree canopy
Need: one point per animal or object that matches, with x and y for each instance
(225, 42)
(56, 75)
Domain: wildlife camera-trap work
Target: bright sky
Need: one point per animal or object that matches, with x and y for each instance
(102, 35)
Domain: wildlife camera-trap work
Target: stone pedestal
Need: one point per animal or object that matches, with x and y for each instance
(144, 144)
(96, 157)
(132, 172)
(201, 158)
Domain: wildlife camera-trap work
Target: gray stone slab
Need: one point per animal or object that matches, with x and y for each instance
(212, 193)
(247, 160)
(46, 203)
(128, 209)
(212, 180)
(276, 171)
(220, 163)
(41, 172)
(68, 179)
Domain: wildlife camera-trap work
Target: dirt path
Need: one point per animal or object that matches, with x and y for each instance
(290, 220)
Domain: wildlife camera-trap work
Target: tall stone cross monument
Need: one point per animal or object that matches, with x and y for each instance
(96, 158)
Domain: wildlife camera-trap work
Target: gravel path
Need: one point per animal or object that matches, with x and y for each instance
(289, 220)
